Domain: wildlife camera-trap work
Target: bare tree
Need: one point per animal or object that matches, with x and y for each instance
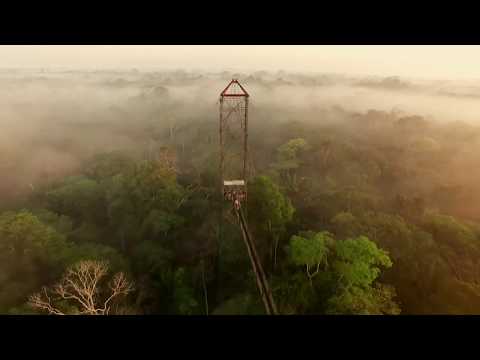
(81, 287)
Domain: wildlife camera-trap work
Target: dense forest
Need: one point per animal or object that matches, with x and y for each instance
(109, 200)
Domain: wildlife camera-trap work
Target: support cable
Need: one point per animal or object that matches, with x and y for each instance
(261, 279)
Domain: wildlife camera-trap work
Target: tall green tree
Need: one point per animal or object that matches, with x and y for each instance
(357, 264)
(289, 159)
(142, 203)
(31, 253)
(347, 281)
(79, 197)
(310, 252)
(270, 211)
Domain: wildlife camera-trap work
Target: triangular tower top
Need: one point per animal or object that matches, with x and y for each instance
(234, 89)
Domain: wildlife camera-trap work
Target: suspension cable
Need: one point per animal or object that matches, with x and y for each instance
(261, 279)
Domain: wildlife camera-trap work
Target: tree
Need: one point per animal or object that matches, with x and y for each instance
(106, 165)
(25, 239)
(411, 209)
(81, 198)
(142, 203)
(288, 160)
(183, 294)
(273, 210)
(376, 300)
(241, 304)
(356, 266)
(154, 269)
(448, 231)
(293, 293)
(61, 223)
(358, 260)
(82, 291)
(310, 251)
(96, 252)
(33, 253)
(346, 284)
(345, 225)
(325, 154)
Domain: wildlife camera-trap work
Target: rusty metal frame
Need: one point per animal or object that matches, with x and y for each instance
(239, 107)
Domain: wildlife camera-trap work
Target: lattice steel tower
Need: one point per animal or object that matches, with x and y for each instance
(234, 141)
(234, 174)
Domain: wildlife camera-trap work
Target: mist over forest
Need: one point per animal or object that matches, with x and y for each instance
(370, 181)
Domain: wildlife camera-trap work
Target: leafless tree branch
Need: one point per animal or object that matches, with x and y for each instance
(81, 285)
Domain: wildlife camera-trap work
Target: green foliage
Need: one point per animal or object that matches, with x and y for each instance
(365, 190)
(159, 222)
(360, 301)
(388, 228)
(293, 293)
(80, 198)
(142, 203)
(153, 267)
(271, 208)
(184, 295)
(446, 230)
(357, 261)
(24, 236)
(62, 223)
(289, 160)
(271, 213)
(310, 251)
(151, 257)
(357, 264)
(106, 165)
(347, 282)
(289, 152)
(93, 251)
(31, 252)
(345, 225)
(243, 304)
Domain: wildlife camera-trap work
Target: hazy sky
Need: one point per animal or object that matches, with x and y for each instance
(445, 62)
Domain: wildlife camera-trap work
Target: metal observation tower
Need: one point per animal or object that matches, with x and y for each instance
(233, 133)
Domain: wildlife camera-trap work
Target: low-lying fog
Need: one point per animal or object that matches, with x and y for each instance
(52, 120)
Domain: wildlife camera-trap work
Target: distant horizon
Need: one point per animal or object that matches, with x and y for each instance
(150, 69)
(405, 61)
